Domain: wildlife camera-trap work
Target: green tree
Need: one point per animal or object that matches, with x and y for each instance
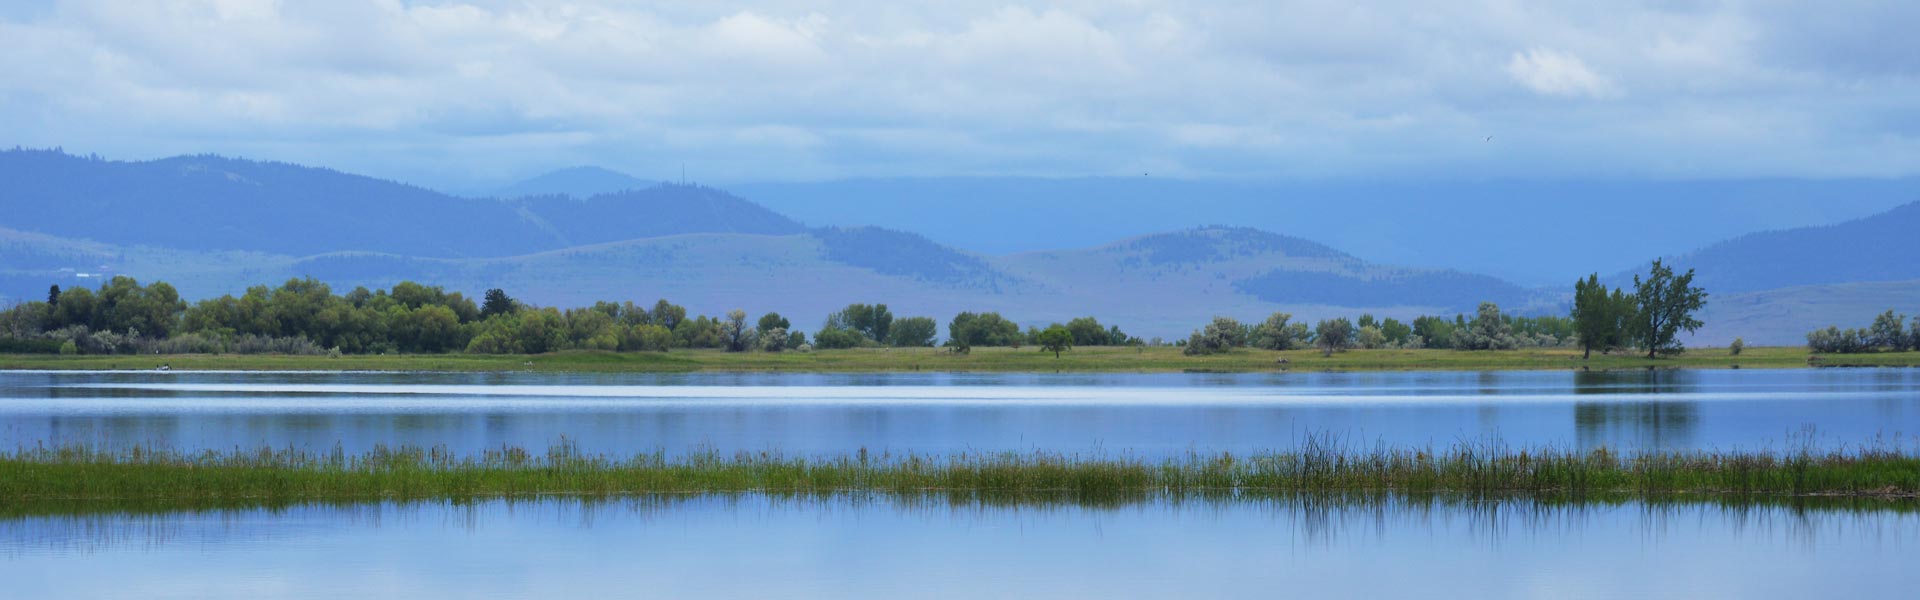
(497, 303)
(1367, 320)
(834, 337)
(1888, 331)
(913, 332)
(647, 337)
(1056, 339)
(734, 333)
(1667, 304)
(771, 340)
(1221, 335)
(1434, 332)
(1087, 331)
(1276, 334)
(1602, 318)
(982, 329)
(1396, 333)
(1333, 335)
(590, 329)
(772, 321)
(667, 314)
(1371, 337)
(1489, 330)
(53, 295)
(872, 321)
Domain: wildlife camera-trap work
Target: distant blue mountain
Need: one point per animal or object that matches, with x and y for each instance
(578, 182)
(903, 254)
(212, 203)
(662, 209)
(1531, 232)
(214, 225)
(216, 203)
(1882, 247)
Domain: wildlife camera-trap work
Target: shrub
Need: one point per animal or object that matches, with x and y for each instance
(1221, 335)
(1333, 335)
(1834, 340)
(1737, 345)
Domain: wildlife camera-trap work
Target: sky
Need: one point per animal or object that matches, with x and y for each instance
(464, 94)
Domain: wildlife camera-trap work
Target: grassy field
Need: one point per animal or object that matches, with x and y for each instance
(56, 479)
(1159, 359)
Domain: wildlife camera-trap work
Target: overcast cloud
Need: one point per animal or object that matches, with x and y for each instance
(444, 93)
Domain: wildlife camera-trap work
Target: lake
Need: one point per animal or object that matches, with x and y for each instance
(1149, 415)
(877, 546)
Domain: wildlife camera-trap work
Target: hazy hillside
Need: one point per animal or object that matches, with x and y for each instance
(1882, 247)
(578, 182)
(215, 225)
(210, 203)
(1784, 316)
(663, 209)
(214, 203)
(1528, 232)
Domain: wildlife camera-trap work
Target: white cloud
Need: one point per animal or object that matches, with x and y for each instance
(1558, 74)
(784, 89)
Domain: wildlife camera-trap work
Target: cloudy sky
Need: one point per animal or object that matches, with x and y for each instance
(455, 94)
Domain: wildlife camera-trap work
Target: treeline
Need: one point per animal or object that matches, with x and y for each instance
(1888, 332)
(304, 316)
(1649, 317)
(1488, 329)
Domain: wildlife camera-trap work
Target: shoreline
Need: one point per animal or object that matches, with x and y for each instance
(981, 360)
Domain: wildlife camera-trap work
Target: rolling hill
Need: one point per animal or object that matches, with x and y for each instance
(1881, 247)
(212, 203)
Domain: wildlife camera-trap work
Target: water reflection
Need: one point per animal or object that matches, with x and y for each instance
(941, 413)
(882, 546)
(1313, 518)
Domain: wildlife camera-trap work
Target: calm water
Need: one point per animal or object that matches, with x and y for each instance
(757, 547)
(878, 547)
(1150, 415)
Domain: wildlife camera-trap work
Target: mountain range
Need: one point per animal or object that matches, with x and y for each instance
(213, 225)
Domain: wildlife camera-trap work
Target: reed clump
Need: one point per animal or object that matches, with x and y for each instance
(1320, 466)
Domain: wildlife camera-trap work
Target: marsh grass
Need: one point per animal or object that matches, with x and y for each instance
(37, 479)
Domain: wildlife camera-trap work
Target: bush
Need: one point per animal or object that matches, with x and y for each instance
(1737, 345)
(773, 340)
(1276, 334)
(837, 338)
(1333, 335)
(1221, 335)
(1884, 333)
(1489, 330)
(29, 346)
(1834, 340)
(1887, 332)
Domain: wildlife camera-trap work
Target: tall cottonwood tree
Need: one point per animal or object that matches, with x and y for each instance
(1667, 306)
(1602, 318)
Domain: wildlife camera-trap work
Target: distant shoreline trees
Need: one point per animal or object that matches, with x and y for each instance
(1885, 334)
(304, 316)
